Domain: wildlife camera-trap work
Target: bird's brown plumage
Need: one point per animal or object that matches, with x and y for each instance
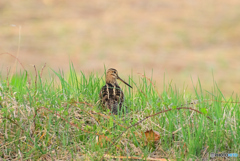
(111, 95)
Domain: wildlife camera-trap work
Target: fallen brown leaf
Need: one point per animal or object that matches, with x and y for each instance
(151, 136)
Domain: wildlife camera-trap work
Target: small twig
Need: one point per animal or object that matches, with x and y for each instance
(143, 94)
(29, 82)
(152, 85)
(42, 70)
(21, 66)
(34, 121)
(35, 78)
(15, 58)
(8, 71)
(205, 151)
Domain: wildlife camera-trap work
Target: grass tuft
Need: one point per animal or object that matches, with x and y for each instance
(60, 118)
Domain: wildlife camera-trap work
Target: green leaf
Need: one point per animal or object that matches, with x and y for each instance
(204, 111)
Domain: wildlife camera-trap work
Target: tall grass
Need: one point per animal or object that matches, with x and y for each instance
(60, 118)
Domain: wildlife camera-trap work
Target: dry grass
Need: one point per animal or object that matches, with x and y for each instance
(41, 120)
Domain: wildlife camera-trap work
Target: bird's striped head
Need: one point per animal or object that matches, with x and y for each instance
(112, 76)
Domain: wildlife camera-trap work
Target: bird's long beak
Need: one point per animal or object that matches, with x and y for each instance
(123, 81)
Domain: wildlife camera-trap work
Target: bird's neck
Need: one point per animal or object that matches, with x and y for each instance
(112, 81)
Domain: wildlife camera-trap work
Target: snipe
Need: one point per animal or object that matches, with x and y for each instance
(111, 94)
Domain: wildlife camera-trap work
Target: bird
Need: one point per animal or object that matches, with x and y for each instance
(111, 96)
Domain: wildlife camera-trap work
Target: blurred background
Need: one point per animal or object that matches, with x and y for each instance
(178, 40)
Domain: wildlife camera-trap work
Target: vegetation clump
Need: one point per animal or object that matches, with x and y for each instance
(60, 118)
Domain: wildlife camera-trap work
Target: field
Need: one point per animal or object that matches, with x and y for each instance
(181, 57)
(46, 120)
(180, 39)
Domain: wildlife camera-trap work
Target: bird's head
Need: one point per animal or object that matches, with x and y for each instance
(112, 76)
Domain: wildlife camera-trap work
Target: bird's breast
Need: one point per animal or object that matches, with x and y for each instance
(111, 91)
